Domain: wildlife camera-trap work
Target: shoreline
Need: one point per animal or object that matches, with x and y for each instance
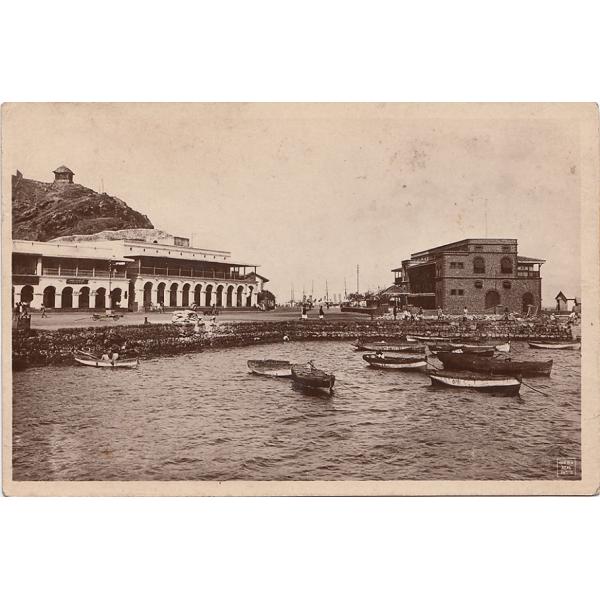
(44, 347)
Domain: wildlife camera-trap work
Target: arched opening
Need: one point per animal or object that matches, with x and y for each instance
(67, 297)
(101, 298)
(50, 297)
(197, 294)
(208, 295)
(492, 299)
(249, 298)
(220, 295)
(528, 301)
(115, 298)
(148, 294)
(173, 294)
(26, 294)
(84, 297)
(185, 295)
(229, 301)
(506, 265)
(160, 293)
(239, 294)
(478, 265)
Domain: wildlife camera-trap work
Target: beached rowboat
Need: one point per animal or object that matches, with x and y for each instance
(130, 363)
(395, 362)
(498, 366)
(555, 345)
(308, 376)
(499, 384)
(271, 368)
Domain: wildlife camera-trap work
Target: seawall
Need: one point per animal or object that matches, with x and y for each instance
(44, 347)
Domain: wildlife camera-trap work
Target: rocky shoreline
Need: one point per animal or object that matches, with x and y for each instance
(44, 347)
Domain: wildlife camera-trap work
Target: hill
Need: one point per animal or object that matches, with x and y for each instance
(42, 211)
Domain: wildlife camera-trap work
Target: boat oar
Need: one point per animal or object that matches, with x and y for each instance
(534, 389)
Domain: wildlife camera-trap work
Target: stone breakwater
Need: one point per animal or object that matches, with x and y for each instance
(45, 347)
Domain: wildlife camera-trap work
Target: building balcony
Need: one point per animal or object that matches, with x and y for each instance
(189, 274)
(98, 273)
(528, 274)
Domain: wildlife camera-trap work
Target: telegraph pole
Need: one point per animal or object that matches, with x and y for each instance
(326, 292)
(357, 279)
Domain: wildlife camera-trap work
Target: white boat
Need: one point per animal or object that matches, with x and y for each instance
(396, 362)
(130, 363)
(271, 368)
(501, 384)
(555, 345)
(505, 347)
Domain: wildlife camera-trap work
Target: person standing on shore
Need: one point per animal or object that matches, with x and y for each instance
(440, 314)
(395, 312)
(465, 314)
(321, 313)
(304, 315)
(43, 308)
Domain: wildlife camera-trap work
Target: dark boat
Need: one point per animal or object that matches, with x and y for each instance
(497, 366)
(308, 376)
(396, 362)
(506, 385)
(471, 350)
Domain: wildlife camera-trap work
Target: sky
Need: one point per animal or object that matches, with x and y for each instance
(308, 192)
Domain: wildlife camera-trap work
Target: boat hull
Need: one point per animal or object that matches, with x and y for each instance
(270, 368)
(502, 385)
(460, 362)
(556, 346)
(405, 348)
(119, 364)
(395, 363)
(309, 377)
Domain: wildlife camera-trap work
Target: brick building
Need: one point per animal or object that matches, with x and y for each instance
(485, 275)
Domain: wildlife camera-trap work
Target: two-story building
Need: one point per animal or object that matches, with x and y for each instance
(132, 268)
(483, 275)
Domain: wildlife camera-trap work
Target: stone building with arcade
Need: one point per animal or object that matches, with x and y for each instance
(484, 275)
(135, 269)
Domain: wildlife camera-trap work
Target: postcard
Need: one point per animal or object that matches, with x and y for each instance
(300, 299)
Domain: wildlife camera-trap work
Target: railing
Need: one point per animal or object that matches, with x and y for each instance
(529, 274)
(65, 272)
(192, 273)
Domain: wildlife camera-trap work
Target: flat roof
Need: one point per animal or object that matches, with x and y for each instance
(477, 241)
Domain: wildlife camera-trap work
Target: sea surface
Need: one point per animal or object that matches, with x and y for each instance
(205, 417)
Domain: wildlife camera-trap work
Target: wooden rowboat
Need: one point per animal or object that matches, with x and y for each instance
(388, 347)
(395, 362)
(308, 376)
(461, 349)
(130, 363)
(497, 366)
(271, 368)
(542, 345)
(498, 384)
(431, 338)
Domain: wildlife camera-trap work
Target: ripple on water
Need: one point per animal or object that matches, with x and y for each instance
(203, 416)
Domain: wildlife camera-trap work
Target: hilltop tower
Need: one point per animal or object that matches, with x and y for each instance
(63, 175)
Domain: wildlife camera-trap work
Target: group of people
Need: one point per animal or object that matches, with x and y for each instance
(304, 313)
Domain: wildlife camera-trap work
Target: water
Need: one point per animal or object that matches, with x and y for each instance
(204, 417)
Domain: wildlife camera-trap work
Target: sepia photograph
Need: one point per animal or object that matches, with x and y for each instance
(275, 299)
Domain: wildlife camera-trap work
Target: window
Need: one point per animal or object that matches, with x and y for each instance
(505, 248)
(461, 292)
(453, 292)
(479, 284)
(457, 265)
(506, 265)
(457, 292)
(478, 265)
(506, 285)
(478, 248)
